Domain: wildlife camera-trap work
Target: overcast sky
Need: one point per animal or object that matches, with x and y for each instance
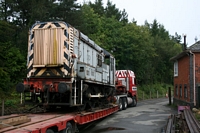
(181, 16)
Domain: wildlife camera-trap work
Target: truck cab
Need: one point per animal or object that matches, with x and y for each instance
(126, 89)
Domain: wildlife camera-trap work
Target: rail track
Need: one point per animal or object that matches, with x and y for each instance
(184, 122)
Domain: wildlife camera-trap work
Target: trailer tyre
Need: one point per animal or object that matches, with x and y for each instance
(124, 103)
(69, 128)
(120, 104)
(49, 131)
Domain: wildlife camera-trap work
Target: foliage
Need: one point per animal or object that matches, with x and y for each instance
(145, 90)
(90, 21)
(165, 48)
(12, 61)
(197, 116)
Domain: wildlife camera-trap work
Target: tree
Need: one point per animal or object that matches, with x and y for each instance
(5, 13)
(124, 17)
(164, 49)
(112, 11)
(135, 51)
(65, 10)
(97, 7)
(91, 21)
(12, 61)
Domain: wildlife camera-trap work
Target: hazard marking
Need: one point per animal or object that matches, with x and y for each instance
(124, 73)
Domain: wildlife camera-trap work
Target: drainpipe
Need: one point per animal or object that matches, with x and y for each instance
(194, 78)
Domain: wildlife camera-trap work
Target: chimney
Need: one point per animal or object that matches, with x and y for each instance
(184, 45)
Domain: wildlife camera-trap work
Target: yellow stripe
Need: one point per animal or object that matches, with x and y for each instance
(41, 72)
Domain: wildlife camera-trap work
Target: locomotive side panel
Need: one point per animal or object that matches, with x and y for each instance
(85, 64)
(81, 52)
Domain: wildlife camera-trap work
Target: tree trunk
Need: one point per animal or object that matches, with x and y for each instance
(2, 113)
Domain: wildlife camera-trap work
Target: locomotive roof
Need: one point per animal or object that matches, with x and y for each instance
(106, 53)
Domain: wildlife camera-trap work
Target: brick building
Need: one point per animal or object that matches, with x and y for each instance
(187, 76)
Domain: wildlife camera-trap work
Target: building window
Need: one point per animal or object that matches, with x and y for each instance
(185, 91)
(176, 88)
(175, 68)
(180, 90)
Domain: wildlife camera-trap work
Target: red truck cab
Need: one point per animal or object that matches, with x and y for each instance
(126, 88)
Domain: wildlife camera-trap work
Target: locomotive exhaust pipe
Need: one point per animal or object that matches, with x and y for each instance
(63, 87)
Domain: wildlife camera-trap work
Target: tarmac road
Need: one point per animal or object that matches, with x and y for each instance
(150, 116)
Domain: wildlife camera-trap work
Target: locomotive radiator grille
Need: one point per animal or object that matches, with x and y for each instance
(47, 48)
(48, 51)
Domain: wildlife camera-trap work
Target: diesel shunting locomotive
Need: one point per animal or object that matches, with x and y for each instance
(66, 68)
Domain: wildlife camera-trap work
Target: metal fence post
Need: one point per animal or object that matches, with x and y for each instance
(143, 95)
(150, 94)
(169, 91)
(157, 94)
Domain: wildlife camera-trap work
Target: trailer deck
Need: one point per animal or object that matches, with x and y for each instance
(39, 123)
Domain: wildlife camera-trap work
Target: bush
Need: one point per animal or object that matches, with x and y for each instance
(162, 89)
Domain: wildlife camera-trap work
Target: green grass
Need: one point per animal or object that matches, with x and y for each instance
(197, 116)
(12, 100)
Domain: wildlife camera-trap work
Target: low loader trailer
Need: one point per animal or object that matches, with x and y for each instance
(53, 122)
(68, 122)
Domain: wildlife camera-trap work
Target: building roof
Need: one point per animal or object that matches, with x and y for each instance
(193, 48)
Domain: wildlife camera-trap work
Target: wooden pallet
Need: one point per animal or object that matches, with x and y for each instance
(13, 121)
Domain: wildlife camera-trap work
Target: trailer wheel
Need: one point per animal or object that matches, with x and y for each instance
(68, 129)
(124, 103)
(49, 131)
(120, 104)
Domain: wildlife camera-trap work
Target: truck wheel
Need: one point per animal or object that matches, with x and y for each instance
(68, 129)
(49, 131)
(134, 102)
(120, 104)
(124, 103)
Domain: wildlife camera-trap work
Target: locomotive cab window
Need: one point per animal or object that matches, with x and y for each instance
(107, 60)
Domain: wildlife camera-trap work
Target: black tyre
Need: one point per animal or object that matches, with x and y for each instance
(120, 104)
(124, 103)
(50, 131)
(69, 128)
(134, 103)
